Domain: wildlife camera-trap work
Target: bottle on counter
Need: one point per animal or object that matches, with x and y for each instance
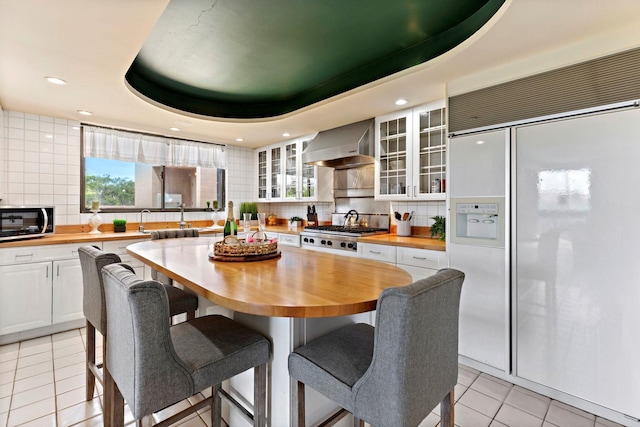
(230, 227)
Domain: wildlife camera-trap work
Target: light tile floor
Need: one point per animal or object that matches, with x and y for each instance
(42, 383)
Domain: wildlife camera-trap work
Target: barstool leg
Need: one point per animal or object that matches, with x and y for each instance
(106, 393)
(115, 416)
(216, 408)
(91, 360)
(260, 396)
(447, 410)
(298, 405)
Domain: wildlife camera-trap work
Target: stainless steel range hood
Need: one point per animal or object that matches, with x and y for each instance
(344, 147)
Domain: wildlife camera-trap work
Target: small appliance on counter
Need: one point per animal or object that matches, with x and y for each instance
(25, 222)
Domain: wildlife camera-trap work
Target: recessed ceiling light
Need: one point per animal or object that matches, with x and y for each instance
(85, 113)
(401, 101)
(175, 129)
(48, 136)
(479, 142)
(76, 128)
(286, 134)
(239, 139)
(55, 80)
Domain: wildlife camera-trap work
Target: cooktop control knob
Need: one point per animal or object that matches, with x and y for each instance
(329, 243)
(323, 242)
(343, 245)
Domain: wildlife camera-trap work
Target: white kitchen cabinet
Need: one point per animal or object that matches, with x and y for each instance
(40, 286)
(411, 154)
(420, 263)
(289, 239)
(67, 291)
(283, 177)
(25, 296)
(384, 253)
(269, 163)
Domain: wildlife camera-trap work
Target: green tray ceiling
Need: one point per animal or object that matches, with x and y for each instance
(246, 59)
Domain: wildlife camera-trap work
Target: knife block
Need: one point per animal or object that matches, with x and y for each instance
(312, 219)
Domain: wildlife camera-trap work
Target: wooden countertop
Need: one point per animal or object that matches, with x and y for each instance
(418, 242)
(300, 283)
(62, 238)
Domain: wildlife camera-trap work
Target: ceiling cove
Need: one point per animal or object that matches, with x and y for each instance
(248, 59)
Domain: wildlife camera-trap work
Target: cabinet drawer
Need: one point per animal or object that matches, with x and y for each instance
(119, 246)
(421, 258)
(382, 253)
(289, 239)
(10, 256)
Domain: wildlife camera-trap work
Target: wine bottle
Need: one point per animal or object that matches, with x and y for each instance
(230, 227)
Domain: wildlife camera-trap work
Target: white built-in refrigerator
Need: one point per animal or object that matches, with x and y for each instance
(557, 308)
(478, 197)
(577, 276)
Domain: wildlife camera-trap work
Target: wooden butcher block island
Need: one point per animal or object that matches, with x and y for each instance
(299, 283)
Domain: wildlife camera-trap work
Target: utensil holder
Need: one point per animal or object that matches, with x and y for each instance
(403, 228)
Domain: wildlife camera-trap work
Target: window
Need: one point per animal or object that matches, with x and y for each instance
(128, 171)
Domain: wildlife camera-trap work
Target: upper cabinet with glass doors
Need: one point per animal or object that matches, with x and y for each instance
(269, 161)
(283, 177)
(411, 154)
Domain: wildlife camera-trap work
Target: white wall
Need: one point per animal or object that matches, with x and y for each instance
(42, 163)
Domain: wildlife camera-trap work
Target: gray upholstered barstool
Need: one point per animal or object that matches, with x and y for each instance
(92, 260)
(153, 365)
(162, 278)
(396, 373)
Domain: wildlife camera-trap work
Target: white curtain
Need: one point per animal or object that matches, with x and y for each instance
(156, 150)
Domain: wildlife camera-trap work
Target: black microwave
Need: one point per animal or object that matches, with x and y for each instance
(24, 222)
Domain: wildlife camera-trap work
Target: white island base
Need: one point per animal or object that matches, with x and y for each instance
(286, 334)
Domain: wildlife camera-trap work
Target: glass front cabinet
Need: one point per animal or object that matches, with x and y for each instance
(411, 154)
(269, 160)
(283, 177)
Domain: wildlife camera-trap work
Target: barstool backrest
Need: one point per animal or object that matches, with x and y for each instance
(92, 260)
(140, 354)
(415, 358)
(174, 233)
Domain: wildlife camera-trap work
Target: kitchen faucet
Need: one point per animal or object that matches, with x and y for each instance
(141, 226)
(183, 224)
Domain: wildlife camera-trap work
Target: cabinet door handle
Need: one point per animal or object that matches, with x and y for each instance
(375, 252)
(58, 270)
(21, 256)
(420, 258)
(415, 191)
(47, 271)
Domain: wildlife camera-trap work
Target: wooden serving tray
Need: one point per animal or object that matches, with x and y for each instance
(247, 258)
